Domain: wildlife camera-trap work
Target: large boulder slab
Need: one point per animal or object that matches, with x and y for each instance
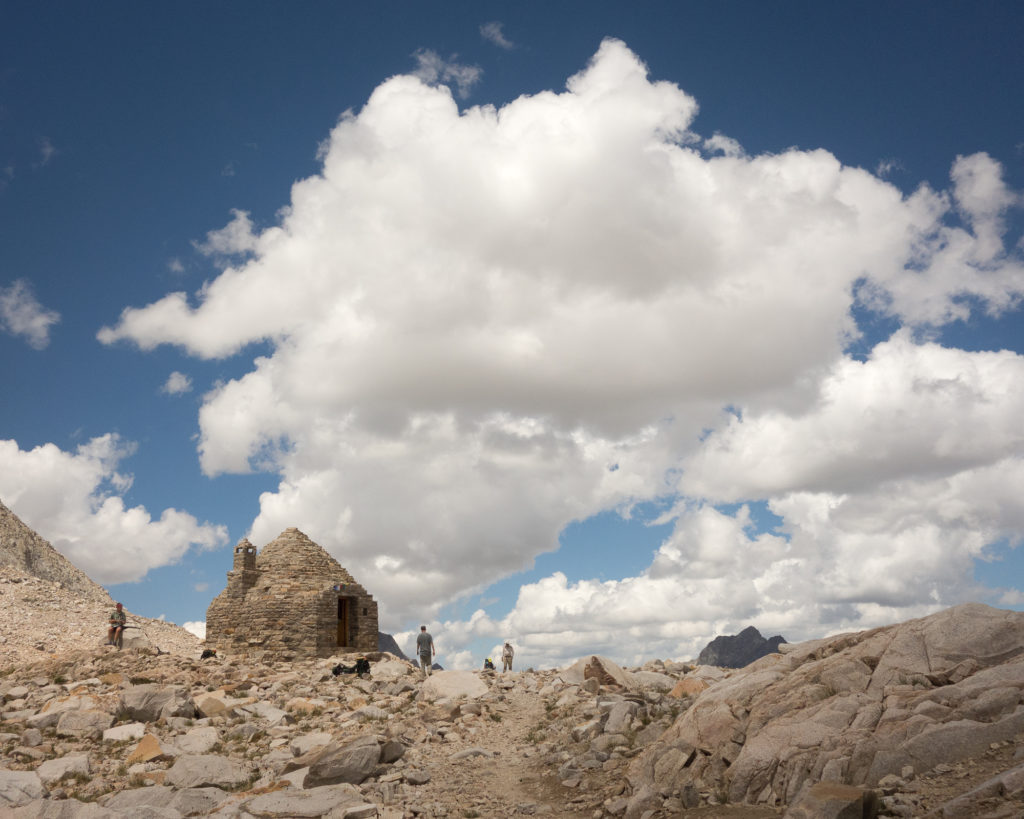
(198, 740)
(322, 801)
(654, 680)
(352, 762)
(69, 809)
(270, 714)
(87, 724)
(945, 743)
(620, 717)
(602, 670)
(197, 801)
(851, 709)
(305, 743)
(452, 685)
(137, 639)
(126, 800)
(832, 800)
(19, 788)
(208, 771)
(218, 702)
(152, 701)
(689, 687)
(149, 749)
(390, 670)
(49, 715)
(978, 801)
(123, 733)
(54, 770)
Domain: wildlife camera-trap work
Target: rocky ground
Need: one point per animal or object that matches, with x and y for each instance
(97, 733)
(153, 730)
(101, 730)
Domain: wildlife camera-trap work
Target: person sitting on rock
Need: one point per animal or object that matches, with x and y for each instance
(488, 664)
(117, 620)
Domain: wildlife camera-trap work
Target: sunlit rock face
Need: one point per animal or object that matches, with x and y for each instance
(853, 709)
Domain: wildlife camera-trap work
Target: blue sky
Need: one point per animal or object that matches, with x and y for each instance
(593, 327)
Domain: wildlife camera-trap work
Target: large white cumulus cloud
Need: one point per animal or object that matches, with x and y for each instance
(486, 323)
(73, 499)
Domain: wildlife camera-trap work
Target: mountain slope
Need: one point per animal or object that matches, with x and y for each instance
(24, 550)
(48, 606)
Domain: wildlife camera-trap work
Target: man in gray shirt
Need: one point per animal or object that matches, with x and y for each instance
(425, 649)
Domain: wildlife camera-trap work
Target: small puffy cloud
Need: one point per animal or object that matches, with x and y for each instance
(176, 384)
(983, 198)
(483, 324)
(493, 32)
(236, 238)
(73, 499)
(887, 167)
(722, 144)
(21, 314)
(196, 627)
(201, 586)
(434, 69)
(175, 265)
(47, 151)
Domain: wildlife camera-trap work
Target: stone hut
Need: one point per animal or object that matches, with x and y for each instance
(292, 600)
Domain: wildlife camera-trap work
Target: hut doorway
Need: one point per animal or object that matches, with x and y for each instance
(342, 621)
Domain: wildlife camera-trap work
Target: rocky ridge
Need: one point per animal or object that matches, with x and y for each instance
(24, 551)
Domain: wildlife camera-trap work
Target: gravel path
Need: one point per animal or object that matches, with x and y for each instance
(494, 766)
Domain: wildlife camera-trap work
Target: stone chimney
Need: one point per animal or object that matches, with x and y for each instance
(243, 575)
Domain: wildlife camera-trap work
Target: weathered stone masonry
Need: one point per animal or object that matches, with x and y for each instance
(289, 601)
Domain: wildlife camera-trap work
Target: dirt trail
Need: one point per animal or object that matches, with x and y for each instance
(494, 768)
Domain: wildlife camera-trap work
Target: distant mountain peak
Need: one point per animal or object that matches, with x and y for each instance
(738, 650)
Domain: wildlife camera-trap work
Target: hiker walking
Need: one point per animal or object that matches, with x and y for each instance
(506, 657)
(425, 650)
(117, 620)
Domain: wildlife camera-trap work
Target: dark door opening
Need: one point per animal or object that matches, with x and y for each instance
(342, 622)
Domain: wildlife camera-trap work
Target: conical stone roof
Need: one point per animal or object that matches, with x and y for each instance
(293, 554)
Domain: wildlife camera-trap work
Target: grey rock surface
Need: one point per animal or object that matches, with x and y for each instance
(349, 763)
(313, 802)
(19, 787)
(54, 770)
(208, 770)
(832, 800)
(152, 701)
(860, 706)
